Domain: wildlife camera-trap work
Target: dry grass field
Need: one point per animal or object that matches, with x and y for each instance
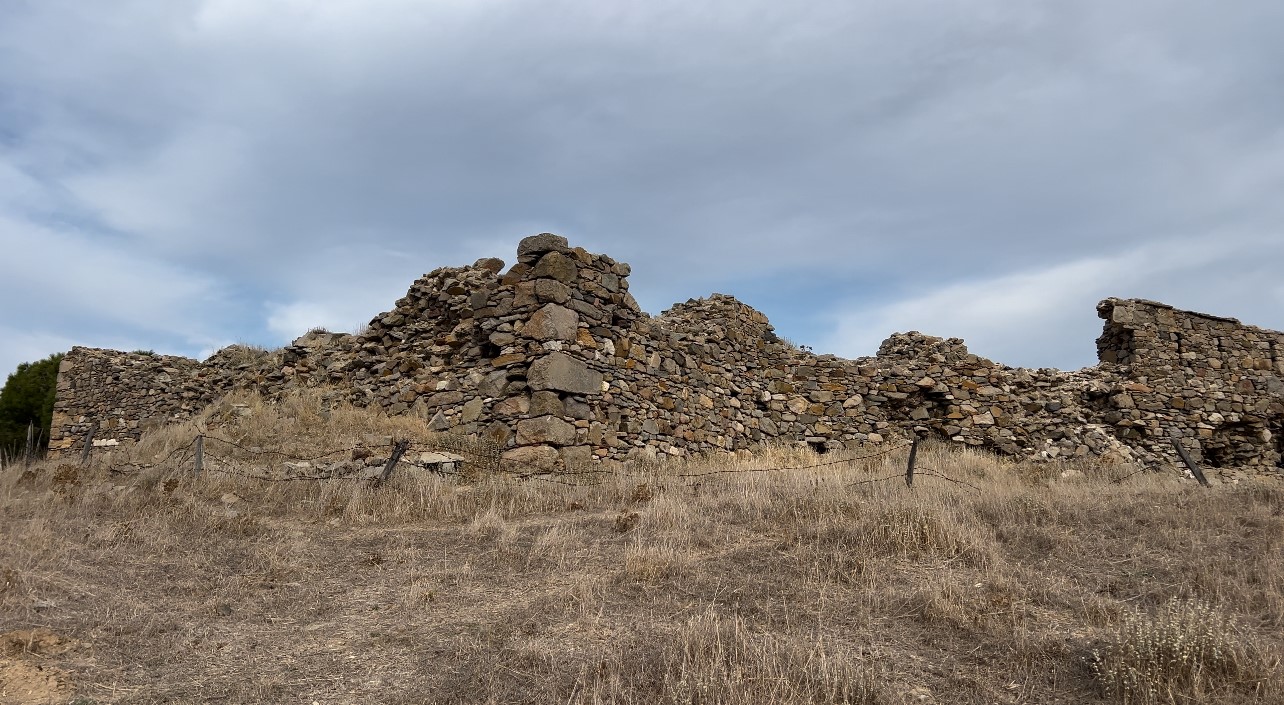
(1035, 584)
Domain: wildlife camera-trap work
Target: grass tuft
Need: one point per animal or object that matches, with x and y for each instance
(1185, 652)
(713, 659)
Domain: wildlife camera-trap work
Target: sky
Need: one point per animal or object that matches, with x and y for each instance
(180, 175)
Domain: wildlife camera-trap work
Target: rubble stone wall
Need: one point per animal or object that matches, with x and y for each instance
(1206, 378)
(123, 394)
(554, 361)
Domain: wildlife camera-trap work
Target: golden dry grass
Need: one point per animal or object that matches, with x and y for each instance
(643, 587)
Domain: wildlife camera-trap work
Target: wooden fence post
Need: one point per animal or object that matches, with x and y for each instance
(1190, 463)
(200, 456)
(31, 429)
(398, 449)
(89, 443)
(909, 471)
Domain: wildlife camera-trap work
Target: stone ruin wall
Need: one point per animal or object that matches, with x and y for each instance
(553, 361)
(1205, 378)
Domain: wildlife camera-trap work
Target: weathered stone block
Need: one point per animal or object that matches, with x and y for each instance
(561, 372)
(545, 429)
(472, 410)
(557, 266)
(552, 322)
(512, 406)
(546, 403)
(494, 265)
(493, 384)
(498, 433)
(444, 399)
(576, 456)
(552, 290)
(530, 249)
(439, 422)
(531, 458)
(577, 409)
(507, 359)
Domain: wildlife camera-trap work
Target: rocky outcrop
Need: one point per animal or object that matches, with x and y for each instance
(553, 361)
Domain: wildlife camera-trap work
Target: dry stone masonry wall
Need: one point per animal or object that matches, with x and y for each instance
(1206, 378)
(553, 361)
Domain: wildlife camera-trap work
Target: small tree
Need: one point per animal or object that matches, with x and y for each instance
(28, 399)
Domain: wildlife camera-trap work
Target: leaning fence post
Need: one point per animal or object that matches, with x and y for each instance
(1190, 463)
(909, 470)
(199, 463)
(397, 450)
(89, 443)
(31, 429)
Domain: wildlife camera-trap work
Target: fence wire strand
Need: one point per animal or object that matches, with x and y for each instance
(258, 452)
(799, 467)
(933, 472)
(214, 462)
(483, 457)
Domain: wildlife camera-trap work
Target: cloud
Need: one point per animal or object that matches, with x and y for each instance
(21, 346)
(64, 289)
(92, 279)
(1046, 317)
(208, 170)
(163, 198)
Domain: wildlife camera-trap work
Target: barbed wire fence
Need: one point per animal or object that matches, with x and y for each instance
(452, 456)
(470, 457)
(203, 456)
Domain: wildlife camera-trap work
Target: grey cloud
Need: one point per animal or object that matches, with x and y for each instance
(303, 156)
(1045, 317)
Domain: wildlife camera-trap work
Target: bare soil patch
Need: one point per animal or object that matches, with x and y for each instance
(26, 678)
